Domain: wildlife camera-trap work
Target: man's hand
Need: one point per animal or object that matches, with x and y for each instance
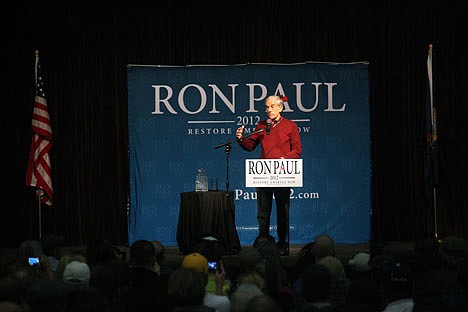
(240, 132)
(220, 277)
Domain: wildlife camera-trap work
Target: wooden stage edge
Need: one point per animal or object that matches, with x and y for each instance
(174, 256)
(344, 252)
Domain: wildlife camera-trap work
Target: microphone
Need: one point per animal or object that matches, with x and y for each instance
(268, 126)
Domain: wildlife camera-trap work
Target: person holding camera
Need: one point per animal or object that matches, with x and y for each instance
(216, 300)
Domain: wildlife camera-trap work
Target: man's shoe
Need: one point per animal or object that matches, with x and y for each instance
(284, 251)
(283, 248)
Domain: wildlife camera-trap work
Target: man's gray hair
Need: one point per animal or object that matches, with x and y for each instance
(278, 100)
(242, 295)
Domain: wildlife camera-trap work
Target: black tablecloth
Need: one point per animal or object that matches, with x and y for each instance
(203, 213)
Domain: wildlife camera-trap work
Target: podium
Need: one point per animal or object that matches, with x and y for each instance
(204, 213)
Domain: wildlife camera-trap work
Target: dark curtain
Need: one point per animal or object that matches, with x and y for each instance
(84, 53)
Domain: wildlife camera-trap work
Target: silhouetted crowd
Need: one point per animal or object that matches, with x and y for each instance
(429, 276)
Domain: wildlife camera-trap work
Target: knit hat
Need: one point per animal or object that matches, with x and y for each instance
(360, 262)
(196, 261)
(76, 273)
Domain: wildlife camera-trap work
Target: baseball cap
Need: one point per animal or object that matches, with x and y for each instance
(360, 262)
(196, 261)
(76, 273)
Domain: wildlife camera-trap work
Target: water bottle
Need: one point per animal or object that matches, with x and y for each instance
(201, 181)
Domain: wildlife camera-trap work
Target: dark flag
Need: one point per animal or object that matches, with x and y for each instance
(431, 166)
(39, 173)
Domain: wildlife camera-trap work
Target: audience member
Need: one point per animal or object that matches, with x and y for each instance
(463, 276)
(109, 283)
(339, 281)
(305, 258)
(146, 290)
(358, 266)
(143, 257)
(453, 251)
(268, 249)
(186, 289)
(263, 303)
(336, 268)
(383, 254)
(323, 246)
(277, 281)
(247, 259)
(444, 290)
(427, 259)
(196, 261)
(462, 298)
(211, 247)
(398, 284)
(252, 277)
(242, 295)
(363, 296)
(271, 266)
(122, 270)
(46, 295)
(12, 290)
(200, 263)
(64, 261)
(86, 300)
(160, 255)
(316, 285)
(427, 244)
(99, 252)
(29, 249)
(51, 244)
(263, 237)
(7, 306)
(77, 274)
(20, 280)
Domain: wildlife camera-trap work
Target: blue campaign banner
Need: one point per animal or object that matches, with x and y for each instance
(178, 115)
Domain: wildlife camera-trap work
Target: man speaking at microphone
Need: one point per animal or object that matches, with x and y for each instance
(280, 139)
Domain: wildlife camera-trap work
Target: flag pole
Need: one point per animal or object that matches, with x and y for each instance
(38, 191)
(39, 199)
(433, 121)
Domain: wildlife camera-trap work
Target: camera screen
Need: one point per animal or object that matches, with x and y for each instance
(33, 261)
(212, 265)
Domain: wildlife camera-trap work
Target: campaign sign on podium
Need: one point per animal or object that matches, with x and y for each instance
(273, 172)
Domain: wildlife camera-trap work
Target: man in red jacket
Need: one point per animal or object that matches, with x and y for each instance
(280, 139)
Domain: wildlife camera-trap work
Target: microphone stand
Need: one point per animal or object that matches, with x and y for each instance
(228, 148)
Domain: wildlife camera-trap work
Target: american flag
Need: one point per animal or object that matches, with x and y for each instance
(431, 161)
(39, 173)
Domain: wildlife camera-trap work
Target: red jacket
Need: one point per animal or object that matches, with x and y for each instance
(282, 142)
